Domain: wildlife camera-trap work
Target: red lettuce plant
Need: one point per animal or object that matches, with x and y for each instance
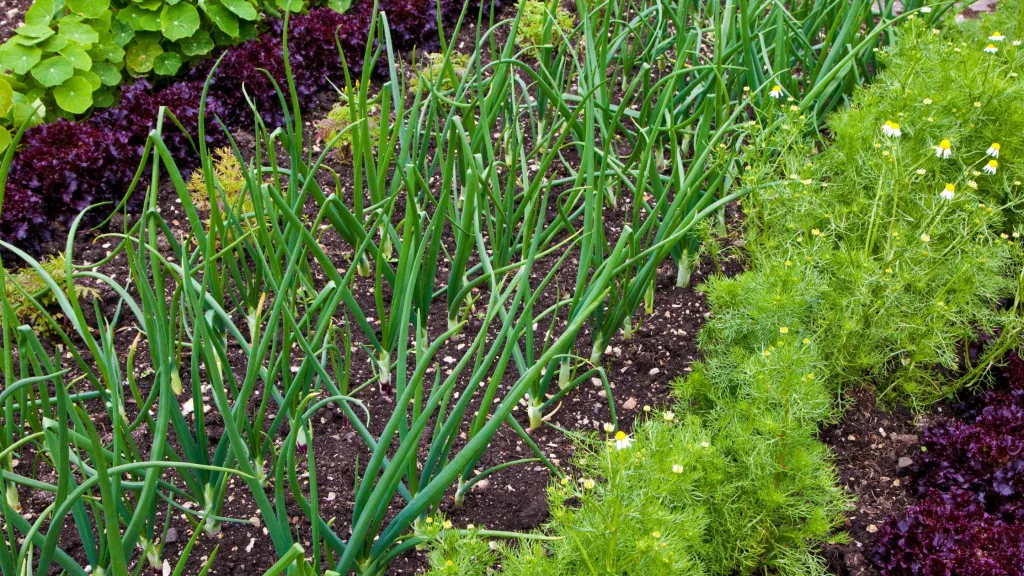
(63, 167)
(950, 533)
(970, 519)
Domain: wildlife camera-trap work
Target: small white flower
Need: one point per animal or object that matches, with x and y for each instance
(944, 149)
(972, 184)
(704, 445)
(677, 468)
(891, 129)
(926, 238)
(1016, 42)
(609, 427)
(948, 192)
(926, 9)
(670, 415)
(622, 440)
(991, 167)
(927, 101)
(776, 92)
(993, 150)
(991, 49)
(921, 171)
(997, 36)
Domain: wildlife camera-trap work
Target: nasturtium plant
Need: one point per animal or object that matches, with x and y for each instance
(179, 21)
(53, 70)
(141, 57)
(167, 64)
(72, 55)
(74, 95)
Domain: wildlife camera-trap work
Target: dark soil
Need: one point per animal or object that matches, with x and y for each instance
(640, 371)
(12, 13)
(874, 452)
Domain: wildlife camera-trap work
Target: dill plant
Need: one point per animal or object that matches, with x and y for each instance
(29, 294)
(543, 23)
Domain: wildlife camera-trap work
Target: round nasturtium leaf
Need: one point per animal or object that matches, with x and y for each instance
(141, 57)
(54, 43)
(198, 44)
(40, 13)
(74, 95)
(5, 139)
(222, 17)
(179, 21)
(79, 32)
(6, 97)
(21, 59)
(53, 70)
(121, 32)
(94, 79)
(80, 59)
(38, 31)
(139, 19)
(32, 35)
(242, 8)
(88, 8)
(25, 110)
(103, 98)
(108, 73)
(111, 52)
(167, 64)
(339, 6)
(290, 5)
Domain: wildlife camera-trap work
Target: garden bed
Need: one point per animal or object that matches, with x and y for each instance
(735, 439)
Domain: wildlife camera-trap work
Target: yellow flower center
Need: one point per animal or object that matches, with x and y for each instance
(620, 435)
(945, 144)
(950, 188)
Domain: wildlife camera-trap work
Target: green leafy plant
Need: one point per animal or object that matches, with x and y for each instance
(72, 56)
(543, 23)
(909, 251)
(30, 294)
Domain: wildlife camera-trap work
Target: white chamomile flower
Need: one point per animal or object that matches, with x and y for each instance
(948, 192)
(944, 149)
(921, 171)
(972, 184)
(993, 150)
(891, 129)
(609, 427)
(776, 92)
(670, 415)
(997, 36)
(926, 101)
(926, 9)
(991, 167)
(926, 238)
(1015, 42)
(991, 49)
(622, 440)
(677, 469)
